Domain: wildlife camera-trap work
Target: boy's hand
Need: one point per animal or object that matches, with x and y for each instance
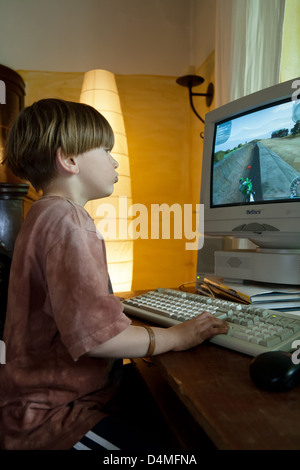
(193, 332)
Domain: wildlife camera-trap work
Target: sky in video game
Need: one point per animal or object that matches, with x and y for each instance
(256, 125)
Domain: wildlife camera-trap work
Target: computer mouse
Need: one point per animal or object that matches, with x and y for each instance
(275, 371)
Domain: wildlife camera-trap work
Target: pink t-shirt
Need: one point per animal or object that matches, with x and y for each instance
(59, 308)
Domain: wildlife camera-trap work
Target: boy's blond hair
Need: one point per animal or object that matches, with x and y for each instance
(47, 125)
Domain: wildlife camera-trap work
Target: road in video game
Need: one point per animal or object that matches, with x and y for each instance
(257, 156)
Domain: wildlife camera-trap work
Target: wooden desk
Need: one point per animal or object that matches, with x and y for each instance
(215, 387)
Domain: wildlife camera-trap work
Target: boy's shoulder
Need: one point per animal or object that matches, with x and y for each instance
(53, 220)
(56, 211)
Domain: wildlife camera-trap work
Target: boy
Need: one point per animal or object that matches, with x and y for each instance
(64, 331)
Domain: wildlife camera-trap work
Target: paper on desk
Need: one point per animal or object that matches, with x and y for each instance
(254, 293)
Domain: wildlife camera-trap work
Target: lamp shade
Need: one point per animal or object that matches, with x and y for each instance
(99, 90)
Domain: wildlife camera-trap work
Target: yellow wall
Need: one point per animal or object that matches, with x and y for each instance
(165, 151)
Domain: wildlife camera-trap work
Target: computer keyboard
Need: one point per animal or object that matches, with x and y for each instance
(253, 330)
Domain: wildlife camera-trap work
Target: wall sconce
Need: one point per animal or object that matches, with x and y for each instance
(191, 81)
(99, 90)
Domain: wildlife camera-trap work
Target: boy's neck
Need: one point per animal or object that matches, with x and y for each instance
(53, 190)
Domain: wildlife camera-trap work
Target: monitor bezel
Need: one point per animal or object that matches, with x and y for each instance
(222, 220)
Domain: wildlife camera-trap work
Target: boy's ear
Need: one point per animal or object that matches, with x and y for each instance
(66, 163)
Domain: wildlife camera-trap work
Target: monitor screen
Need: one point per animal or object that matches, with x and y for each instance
(259, 149)
(250, 181)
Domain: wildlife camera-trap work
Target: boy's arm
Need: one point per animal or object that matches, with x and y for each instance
(134, 340)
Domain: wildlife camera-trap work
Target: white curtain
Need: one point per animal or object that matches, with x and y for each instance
(248, 46)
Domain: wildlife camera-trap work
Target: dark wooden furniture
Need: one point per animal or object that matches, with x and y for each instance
(214, 386)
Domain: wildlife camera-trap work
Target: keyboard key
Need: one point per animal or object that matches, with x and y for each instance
(270, 341)
(295, 326)
(241, 335)
(286, 333)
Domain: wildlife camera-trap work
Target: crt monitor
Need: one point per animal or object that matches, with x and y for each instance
(250, 184)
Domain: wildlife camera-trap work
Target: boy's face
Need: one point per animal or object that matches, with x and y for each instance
(97, 173)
